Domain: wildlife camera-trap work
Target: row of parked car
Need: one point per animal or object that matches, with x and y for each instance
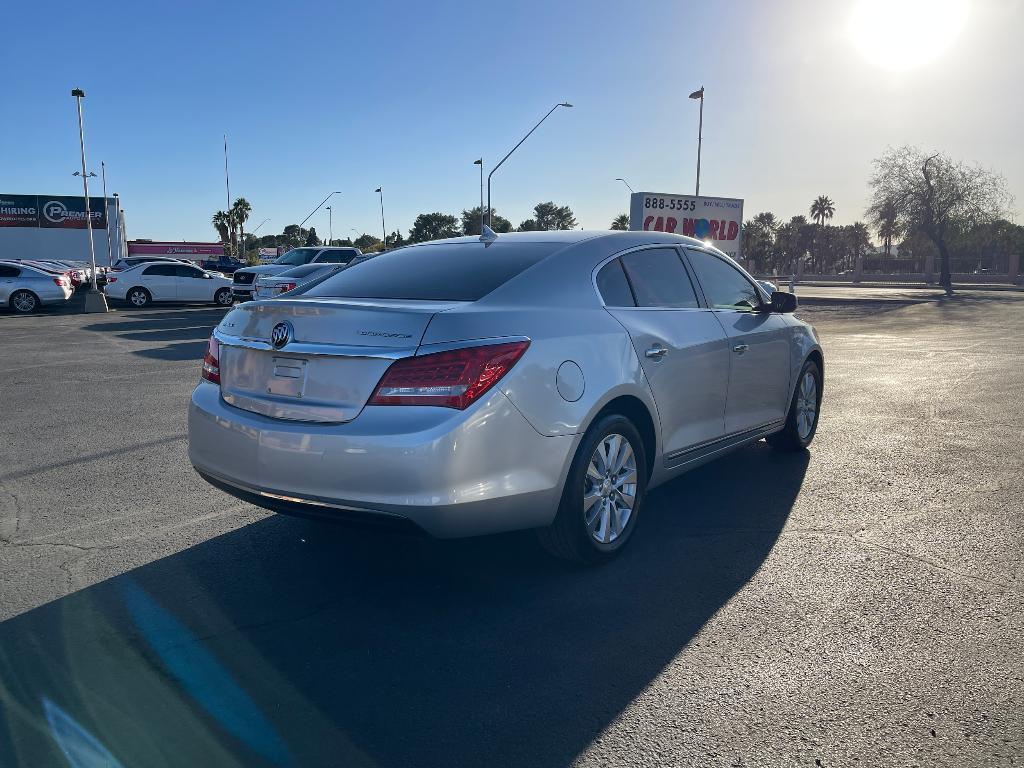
(27, 285)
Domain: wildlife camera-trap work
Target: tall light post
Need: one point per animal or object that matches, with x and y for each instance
(626, 183)
(314, 211)
(700, 132)
(384, 230)
(94, 300)
(506, 157)
(330, 226)
(120, 231)
(480, 162)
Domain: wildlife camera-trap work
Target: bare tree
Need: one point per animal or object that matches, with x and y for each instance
(936, 196)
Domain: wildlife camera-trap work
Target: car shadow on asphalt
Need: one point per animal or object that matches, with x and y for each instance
(190, 329)
(294, 642)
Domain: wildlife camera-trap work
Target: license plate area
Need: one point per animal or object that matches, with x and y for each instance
(288, 377)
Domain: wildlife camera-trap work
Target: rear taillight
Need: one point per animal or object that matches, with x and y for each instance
(61, 282)
(211, 361)
(111, 279)
(452, 379)
(285, 287)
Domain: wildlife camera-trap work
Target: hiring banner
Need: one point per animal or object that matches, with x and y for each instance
(50, 211)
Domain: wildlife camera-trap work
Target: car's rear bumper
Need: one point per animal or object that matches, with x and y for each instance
(451, 473)
(241, 292)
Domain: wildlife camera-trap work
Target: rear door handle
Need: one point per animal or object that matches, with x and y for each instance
(656, 352)
(739, 349)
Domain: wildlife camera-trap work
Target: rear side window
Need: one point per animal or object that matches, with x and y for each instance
(611, 282)
(659, 279)
(186, 271)
(160, 270)
(442, 272)
(6, 271)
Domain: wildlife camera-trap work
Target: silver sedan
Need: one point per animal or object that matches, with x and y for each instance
(540, 380)
(25, 288)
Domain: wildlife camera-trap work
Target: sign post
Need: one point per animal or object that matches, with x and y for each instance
(718, 221)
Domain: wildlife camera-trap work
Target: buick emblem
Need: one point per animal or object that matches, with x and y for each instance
(280, 335)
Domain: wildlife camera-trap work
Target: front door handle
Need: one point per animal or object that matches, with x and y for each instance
(656, 352)
(739, 349)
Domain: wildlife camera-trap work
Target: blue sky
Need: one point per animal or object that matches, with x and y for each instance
(320, 96)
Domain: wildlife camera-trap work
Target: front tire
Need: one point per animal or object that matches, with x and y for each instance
(138, 297)
(224, 297)
(802, 419)
(24, 302)
(603, 494)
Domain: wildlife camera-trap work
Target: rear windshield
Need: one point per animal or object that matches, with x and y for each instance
(442, 272)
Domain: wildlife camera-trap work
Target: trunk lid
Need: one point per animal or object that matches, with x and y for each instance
(336, 352)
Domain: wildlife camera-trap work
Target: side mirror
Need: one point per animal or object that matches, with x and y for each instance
(207, 275)
(783, 303)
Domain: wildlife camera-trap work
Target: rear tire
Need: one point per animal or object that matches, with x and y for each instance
(606, 483)
(802, 419)
(224, 298)
(24, 302)
(138, 297)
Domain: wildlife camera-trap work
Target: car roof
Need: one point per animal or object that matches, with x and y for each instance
(572, 236)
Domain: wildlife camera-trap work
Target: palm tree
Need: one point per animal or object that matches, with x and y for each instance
(240, 211)
(888, 229)
(621, 221)
(222, 223)
(822, 209)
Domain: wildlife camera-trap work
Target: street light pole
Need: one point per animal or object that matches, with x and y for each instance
(330, 226)
(506, 157)
(480, 162)
(626, 183)
(106, 211)
(384, 229)
(700, 132)
(120, 234)
(94, 300)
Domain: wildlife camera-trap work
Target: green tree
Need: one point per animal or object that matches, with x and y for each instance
(549, 216)
(239, 214)
(621, 221)
(471, 222)
(823, 209)
(368, 243)
(433, 226)
(311, 238)
(936, 196)
(395, 239)
(292, 236)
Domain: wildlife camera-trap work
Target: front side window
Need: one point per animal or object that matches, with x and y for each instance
(659, 279)
(335, 257)
(725, 287)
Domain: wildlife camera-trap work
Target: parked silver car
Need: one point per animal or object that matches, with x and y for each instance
(537, 380)
(25, 288)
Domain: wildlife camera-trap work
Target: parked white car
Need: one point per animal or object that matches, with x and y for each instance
(168, 281)
(24, 288)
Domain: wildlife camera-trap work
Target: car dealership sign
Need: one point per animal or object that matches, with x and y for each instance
(50, 212)
(717, 220)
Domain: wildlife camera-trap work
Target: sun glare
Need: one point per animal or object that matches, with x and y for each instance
(903, 34)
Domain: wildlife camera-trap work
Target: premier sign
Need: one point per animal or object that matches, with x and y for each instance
(717, 220)
(50, 212)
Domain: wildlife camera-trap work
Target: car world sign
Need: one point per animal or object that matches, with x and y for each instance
(50, 212)
(716, 220)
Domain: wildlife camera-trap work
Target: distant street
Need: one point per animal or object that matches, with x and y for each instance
(857, 605)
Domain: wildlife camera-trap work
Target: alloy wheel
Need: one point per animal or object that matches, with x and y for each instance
(610, 491)
(24, 301)
(138, 298)
(806, 405)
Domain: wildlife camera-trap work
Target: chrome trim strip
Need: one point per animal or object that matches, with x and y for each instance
(313, 350)
(721, 443)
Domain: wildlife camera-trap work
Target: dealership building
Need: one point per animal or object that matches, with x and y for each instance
(54, 227)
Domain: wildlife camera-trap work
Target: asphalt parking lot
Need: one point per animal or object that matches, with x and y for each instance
(859, 604)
